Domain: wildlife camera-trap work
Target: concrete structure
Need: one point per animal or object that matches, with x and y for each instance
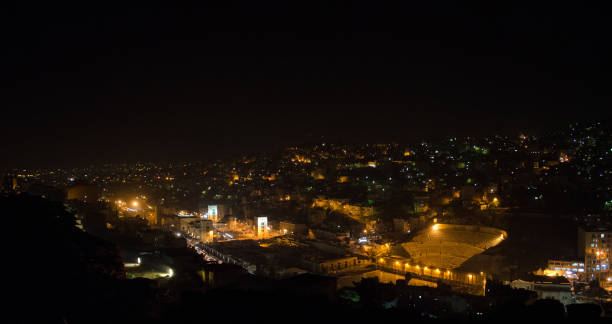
(468, 282)
(202, 229)
(292, 228)
(596, 244)
(334, 265)
(184, 223)
(571, 269)
(448, 246)
(261, 225)
(547, 287)
(215, 212)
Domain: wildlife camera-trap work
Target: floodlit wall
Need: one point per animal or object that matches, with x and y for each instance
(358, 213)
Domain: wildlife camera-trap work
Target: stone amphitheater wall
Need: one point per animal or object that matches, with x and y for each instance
(473, 228)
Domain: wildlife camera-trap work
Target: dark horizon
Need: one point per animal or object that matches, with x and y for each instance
(87, 84)
(220, 145)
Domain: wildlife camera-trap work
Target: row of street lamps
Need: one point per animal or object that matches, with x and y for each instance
(449, 275)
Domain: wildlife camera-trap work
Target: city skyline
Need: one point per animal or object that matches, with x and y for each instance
(283, 161)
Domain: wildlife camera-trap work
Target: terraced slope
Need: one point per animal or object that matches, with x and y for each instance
(448, 246)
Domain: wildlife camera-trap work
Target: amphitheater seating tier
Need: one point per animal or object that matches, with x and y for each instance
(449, 247)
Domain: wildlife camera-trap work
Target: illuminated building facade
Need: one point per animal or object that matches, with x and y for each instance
(572, 269)
(216, 212)
(356, 212)
(597, 245)
(213, 212)
(547, 287)
(262, 226)
(206, 231)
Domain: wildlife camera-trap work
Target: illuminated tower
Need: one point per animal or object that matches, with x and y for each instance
(261, 224)
(597, 244)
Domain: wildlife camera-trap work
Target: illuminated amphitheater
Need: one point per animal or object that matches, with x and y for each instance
(448, 246)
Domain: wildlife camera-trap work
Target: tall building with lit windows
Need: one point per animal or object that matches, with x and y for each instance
(597, 244)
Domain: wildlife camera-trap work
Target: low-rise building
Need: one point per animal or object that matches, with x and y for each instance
(326, 265)
(571, 269)
(546, 287)
(201, 229)
(292, 228)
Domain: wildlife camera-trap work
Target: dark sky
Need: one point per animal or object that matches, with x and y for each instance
(84, 83)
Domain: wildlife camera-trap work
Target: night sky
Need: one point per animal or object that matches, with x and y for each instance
(84, 83)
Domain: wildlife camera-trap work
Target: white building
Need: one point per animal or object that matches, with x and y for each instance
(547, 287)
